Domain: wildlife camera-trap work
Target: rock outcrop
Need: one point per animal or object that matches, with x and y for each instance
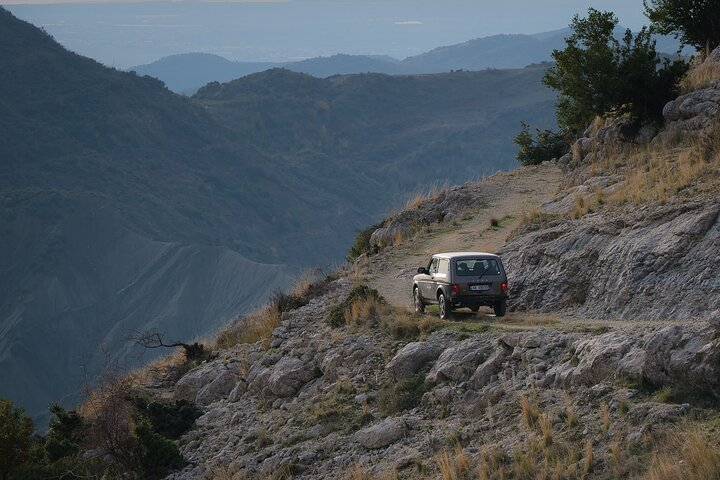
(655, 262)
(310, 404)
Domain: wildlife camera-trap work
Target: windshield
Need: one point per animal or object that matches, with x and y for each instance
(477, 266)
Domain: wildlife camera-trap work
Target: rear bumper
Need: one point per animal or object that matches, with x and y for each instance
(476, 300)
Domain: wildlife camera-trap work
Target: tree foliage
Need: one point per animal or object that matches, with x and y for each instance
(597, 74)
(694, 22)
(544, 145)
(16, 430)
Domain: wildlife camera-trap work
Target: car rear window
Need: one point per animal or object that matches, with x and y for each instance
(477, 266)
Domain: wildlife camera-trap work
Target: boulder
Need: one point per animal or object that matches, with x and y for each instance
(382, 434)
(288, 376)
(191, 383)
(218, 388)
(459, 362)
(412, 358)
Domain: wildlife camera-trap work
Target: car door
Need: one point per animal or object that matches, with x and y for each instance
(428, 288)
(442, 276)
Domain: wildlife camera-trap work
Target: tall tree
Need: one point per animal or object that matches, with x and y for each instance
(694, 22)
(15, 437)
(597, 74)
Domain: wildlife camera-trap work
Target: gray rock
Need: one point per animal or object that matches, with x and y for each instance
(459, 362)
(238, 391)
(218, 388)
(412, 358)
(491, 367)
(289, 375)
(199, 378)
(714, 320)
(653, 259)
(382, 434)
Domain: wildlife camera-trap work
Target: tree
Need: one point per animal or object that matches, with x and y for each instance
(694, 22)
(16, 430)
(597, 74)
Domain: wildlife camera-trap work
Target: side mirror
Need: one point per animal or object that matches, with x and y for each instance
(422, 271)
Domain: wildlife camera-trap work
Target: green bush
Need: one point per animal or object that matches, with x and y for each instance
(396, 397)
(543, 146)
(362, 244)
(695, 23)
(170, 420)
(158, 456)
(596, 74)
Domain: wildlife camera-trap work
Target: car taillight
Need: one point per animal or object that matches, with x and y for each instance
(455, 288)
(503, 287)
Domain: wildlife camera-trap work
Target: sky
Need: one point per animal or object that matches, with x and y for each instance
(128, 33)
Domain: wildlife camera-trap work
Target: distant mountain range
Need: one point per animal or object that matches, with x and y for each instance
(126, 207)
(185, 73)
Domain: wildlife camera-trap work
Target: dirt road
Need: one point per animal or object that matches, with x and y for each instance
(506, 197)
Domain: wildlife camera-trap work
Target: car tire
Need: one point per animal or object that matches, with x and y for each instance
(418, 301)
(500, 307)
(443, 307)
(474, 309)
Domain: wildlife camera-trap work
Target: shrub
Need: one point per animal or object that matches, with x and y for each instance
(362, 244)
(396, 397)
(545, 145)
(336, 317)
(168, 419)
(597, 75)
(15, 437)
(158, 456)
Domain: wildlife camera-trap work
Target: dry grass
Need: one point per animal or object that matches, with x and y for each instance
(546, 428)
(357, 472)
(701, 76)
(605, 416)
(363, 312)
(570, 417)
(453, 465)
(529, 412)
(690, 454)
(251, 328)
(657, 172)
(588, 458)
(421, 197)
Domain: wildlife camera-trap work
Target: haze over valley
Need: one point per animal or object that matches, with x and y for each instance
(126, 207)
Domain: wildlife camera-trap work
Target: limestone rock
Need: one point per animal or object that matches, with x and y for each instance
(289, 375)
(382, 434)
(411, 359)
(217, 389)
(459, 362)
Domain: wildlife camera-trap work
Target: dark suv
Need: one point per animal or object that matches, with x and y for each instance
(461, 279)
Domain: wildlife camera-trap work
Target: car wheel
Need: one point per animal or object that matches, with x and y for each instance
(500, 307)
(417, 301)
(474, 309)
(443, 307)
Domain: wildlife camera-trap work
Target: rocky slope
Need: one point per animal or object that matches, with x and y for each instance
(322, 402)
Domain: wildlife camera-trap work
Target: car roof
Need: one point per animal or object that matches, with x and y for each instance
(465, 254)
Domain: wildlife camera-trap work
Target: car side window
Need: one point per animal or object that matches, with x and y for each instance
(444, 266)
(433, 266)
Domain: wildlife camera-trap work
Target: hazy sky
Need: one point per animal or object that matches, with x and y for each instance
(124, 34)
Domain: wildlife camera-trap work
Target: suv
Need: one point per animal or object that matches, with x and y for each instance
(461, 279)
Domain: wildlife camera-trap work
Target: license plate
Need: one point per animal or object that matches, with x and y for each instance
(479, 288)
